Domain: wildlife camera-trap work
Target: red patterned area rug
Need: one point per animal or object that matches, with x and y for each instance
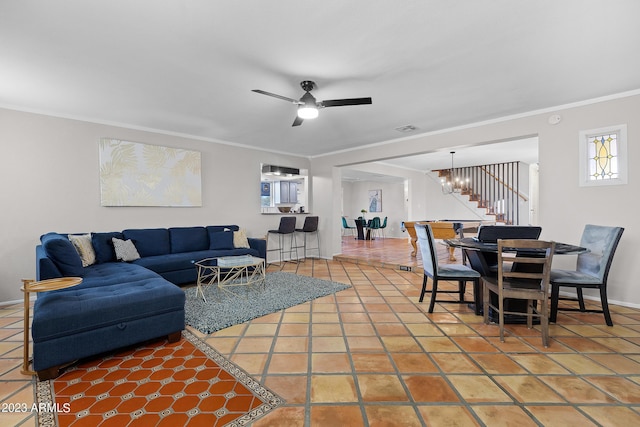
(160, 384)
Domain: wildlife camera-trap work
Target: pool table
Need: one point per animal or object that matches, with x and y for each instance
(442, 229)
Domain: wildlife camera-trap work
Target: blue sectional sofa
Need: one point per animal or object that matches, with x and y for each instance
(120, 303)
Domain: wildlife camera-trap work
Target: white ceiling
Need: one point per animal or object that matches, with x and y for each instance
(520, 150)
(188, 66)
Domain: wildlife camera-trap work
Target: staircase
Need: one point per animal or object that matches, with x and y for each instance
(494, 187)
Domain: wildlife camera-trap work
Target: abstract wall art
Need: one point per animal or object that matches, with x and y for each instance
(375, 200)
(135, 174)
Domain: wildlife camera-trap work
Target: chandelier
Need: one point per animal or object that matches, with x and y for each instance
(453, 183)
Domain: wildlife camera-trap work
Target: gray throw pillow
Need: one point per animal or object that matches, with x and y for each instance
(125, 249)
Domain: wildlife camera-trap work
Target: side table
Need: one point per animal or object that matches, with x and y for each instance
(29, 286)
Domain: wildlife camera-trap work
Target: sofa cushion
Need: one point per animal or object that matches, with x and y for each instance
(60, 249)
(188, 239)
(171, 262)
(84, 247)
(138, 293)
(149, 241)
(221, 240)
(112, 273)
(103, 246)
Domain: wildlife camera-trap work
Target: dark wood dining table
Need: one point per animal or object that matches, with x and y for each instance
(483, 257)
(364, 231)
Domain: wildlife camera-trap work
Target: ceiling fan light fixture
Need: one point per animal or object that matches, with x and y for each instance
(308, 106)
(307, 112)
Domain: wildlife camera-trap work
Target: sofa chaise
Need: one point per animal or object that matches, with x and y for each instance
(120, 303)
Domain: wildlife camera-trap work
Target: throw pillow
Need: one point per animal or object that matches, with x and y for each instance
(221, 240)
(103, 246)
(62, 253)
(83, 245)
(125, 250)
(240, 239)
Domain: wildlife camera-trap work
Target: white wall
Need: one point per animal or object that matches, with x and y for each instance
(564, 207)
(49, 181)
(448, 206)
(393, 206)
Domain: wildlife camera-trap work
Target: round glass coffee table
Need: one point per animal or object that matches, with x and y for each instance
(229, 272)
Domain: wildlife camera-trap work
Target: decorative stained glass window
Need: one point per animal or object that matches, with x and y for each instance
(603, 156)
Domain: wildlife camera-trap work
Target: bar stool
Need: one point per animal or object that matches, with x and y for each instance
(287, 227)
(310, 227)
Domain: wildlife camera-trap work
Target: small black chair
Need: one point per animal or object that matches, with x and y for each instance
(592, 270)
(287, 227)
(453, 272)
(309, 228)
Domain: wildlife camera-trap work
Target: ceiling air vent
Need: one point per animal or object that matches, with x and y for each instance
(407, 128)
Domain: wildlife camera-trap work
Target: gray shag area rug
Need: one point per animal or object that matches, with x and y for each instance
(281, 290)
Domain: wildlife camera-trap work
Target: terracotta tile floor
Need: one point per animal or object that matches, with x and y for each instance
(371, 356)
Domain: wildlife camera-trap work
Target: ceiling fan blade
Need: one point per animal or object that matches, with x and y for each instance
(298, 121)
(284, 98)
(349, 101)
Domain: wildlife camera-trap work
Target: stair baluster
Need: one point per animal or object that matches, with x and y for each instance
(494, 187)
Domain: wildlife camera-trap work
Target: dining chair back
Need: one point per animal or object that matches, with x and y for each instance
(524, 268)
(447, 272)
(346, 227)
(491, 233)
(592, 270)
(375, 226)
(383, 227)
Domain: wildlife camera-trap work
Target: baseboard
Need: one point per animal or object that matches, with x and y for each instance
(596, 298)
(18, 301)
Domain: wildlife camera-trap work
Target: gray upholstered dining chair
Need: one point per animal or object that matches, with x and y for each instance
(524, 267)
(592, 270)
(453, 272)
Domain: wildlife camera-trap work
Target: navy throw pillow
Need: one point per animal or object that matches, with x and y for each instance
(221, 240)
(103, 246)
(61, 251)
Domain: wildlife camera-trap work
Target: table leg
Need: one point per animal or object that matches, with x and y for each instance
(360, 228)
(25, 362)
(414, 244)
(452, 257)
(201, 278)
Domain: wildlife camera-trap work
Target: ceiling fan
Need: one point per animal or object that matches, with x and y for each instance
(308, 106)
